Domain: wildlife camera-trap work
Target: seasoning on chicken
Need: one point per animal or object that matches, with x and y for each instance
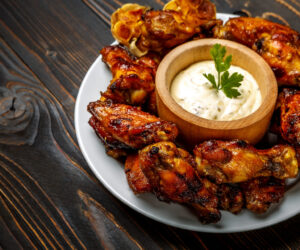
(236, 161)
(124, 128)
(133, 79)
(261, 192)
(230, 198)
(113, 146)
(137, 180)
(151, 106)
(279, 45)
(172, 176)
(287, 116)
(193, 11)
(142, 30)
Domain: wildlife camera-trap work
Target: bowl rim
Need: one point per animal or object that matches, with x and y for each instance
(264, 109)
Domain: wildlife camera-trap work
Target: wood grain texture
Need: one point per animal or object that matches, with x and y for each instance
(281, 11)
(49, 197)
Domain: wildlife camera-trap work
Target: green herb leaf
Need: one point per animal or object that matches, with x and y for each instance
(227, 63)
(211, 78)
(230, 83)
(224, 82)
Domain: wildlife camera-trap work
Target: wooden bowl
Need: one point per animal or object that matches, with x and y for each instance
(194, 129)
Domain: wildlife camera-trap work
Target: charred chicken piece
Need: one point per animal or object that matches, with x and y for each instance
(137, 180)
(237, 161)
(151, 106)
(261, 192)
(193, 11)
(279, 45)
(142, 30)
(113, 146)
(133, 79)
(171, 174)
(230, 198)
(123, 128)
(287, 116)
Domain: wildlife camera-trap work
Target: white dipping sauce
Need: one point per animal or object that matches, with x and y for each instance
(193, 92)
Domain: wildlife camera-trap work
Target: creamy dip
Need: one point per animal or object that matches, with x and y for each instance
(193, 92)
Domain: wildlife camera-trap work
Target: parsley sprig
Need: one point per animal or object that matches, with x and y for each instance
(227, 83)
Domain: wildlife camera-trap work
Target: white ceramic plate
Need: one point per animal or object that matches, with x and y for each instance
(111, 173)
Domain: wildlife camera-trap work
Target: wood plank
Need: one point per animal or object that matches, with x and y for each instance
(61, 62)
(46, 183)
(281, 11)
(42, 169)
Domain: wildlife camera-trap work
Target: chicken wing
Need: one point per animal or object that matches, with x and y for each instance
(237, 161)
(113, 146)
(279, 45)
(123, 128)
(193, 11)
(133, 79)
(230, 198)
(261, 192)
(171, 174)
(143, 30)
(286, 120)
(137, 180)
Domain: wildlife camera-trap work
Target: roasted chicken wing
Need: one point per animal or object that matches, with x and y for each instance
(286, 120)
(143, 30)
(137, 180)
(133, 79)
(261, 192)
(172, 177)
(123, 128)
(237, 161)
(279, 45)
(230, 198)
(193, 11)
(151, 106)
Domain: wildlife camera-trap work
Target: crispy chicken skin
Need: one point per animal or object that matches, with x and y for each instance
(193, 11)
(261, 192)
(133, 79)
(151, 106)
(113, 146)
(142, 30)
(172, 176)
(230, 198)
(287, 116)
(123, 127)
(279, 45)
(236, 161)
(256, 194)
(137, 180)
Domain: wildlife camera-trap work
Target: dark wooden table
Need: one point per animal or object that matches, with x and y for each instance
(49, 198)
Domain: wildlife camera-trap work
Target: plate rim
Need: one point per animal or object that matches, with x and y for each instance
(136, 208)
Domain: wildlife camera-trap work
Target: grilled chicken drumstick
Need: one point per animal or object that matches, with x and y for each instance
(133, 79)
(169, 173)
(136, 179)
(193, 11)
(261, 192)
(279, 45)
(236, 161)
(230, 198)
(287, 116)
(257, 195)
(142, 30)
(123, 128)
